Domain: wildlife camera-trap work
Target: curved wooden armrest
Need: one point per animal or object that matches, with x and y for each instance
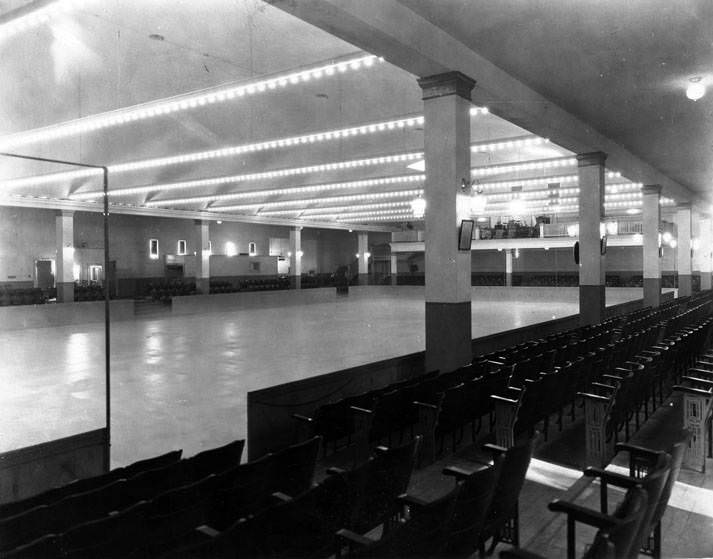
(300, 417)
(352, 538)
(638, 451)
(281, 497)
(503, 399)
(612, 478)
(207, 531)
(616, 378)
(425, 405)
(692, 391)
(583, 514)
(595, 397)
(359, 410)
(456, 472)
(334, 471)
(700, 371)
(703, 381)
(411, 501)
(517, 553)
(495, 449)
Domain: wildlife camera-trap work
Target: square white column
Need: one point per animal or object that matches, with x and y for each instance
(64, 264)
(446, 101)
(651, 194)
(591, 261)
(296, 258)
(683, 249)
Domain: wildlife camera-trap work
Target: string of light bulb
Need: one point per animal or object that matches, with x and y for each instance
(187, 101)
(287, 172)
(37, 13)
(538, 164)
(288, 190)
(329, 200)
(336, 209)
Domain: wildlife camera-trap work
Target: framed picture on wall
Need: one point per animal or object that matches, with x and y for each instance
(465, 235)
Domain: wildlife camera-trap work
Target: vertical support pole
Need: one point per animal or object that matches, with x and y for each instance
(296, 258)
(64, 227)
(203, 271)
(683, 249)
(651, 230)
(446, 100)
(592, 300)
(107, 323)
(363, 252)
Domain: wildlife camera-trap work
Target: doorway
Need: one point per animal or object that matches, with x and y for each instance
(44, 275)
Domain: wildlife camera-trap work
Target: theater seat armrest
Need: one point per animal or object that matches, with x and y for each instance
(207, 531)
(334, 471)
(612, 478)
(425, 405)
(503, 399)
(495, 449)
(456, 472)
(517, 553)
(635, 450)
(411, 501)
(352, 538)
(583, 514)
(300, 417)
(281, 497)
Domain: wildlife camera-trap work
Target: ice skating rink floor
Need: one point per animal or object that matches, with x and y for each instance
(182, 381)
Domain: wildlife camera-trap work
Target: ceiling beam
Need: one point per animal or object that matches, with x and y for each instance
(391, 30)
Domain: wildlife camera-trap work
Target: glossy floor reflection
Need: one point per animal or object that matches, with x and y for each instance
(181, 382)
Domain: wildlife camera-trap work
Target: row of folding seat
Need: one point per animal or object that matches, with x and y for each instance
(160, 508)
(29, 296)
(539, 378)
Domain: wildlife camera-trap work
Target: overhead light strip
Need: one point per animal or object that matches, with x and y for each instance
(329, 210)
(31, 15)
(288, 172)
(289, 190)
(187, 101)
(305, 139)
(331, 199)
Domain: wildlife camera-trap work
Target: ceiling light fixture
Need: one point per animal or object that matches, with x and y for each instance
(695, 89)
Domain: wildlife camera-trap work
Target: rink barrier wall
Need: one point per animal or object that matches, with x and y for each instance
(269, 414)
(27, 471)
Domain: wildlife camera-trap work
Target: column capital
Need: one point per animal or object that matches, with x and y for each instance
(448, 83)
(65, 213)
(651, 189)
(201, 222)
(683, 206)
(591, 158)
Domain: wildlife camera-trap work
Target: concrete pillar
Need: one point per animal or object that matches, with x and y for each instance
(704, 250)
(592, 300)
(394, 269)
(363, 252)
(446, 99)
(296, 258)
(64, 265)
(651, 230)
(508, 267)
(683, 249)
(203, 268)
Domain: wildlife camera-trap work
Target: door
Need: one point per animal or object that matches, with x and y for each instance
(45, 279)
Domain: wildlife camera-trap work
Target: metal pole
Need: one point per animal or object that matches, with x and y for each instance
(107, 329)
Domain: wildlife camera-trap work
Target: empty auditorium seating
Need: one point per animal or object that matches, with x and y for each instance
(21, 296)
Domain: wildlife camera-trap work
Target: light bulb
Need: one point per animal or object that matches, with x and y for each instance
(695, 90)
